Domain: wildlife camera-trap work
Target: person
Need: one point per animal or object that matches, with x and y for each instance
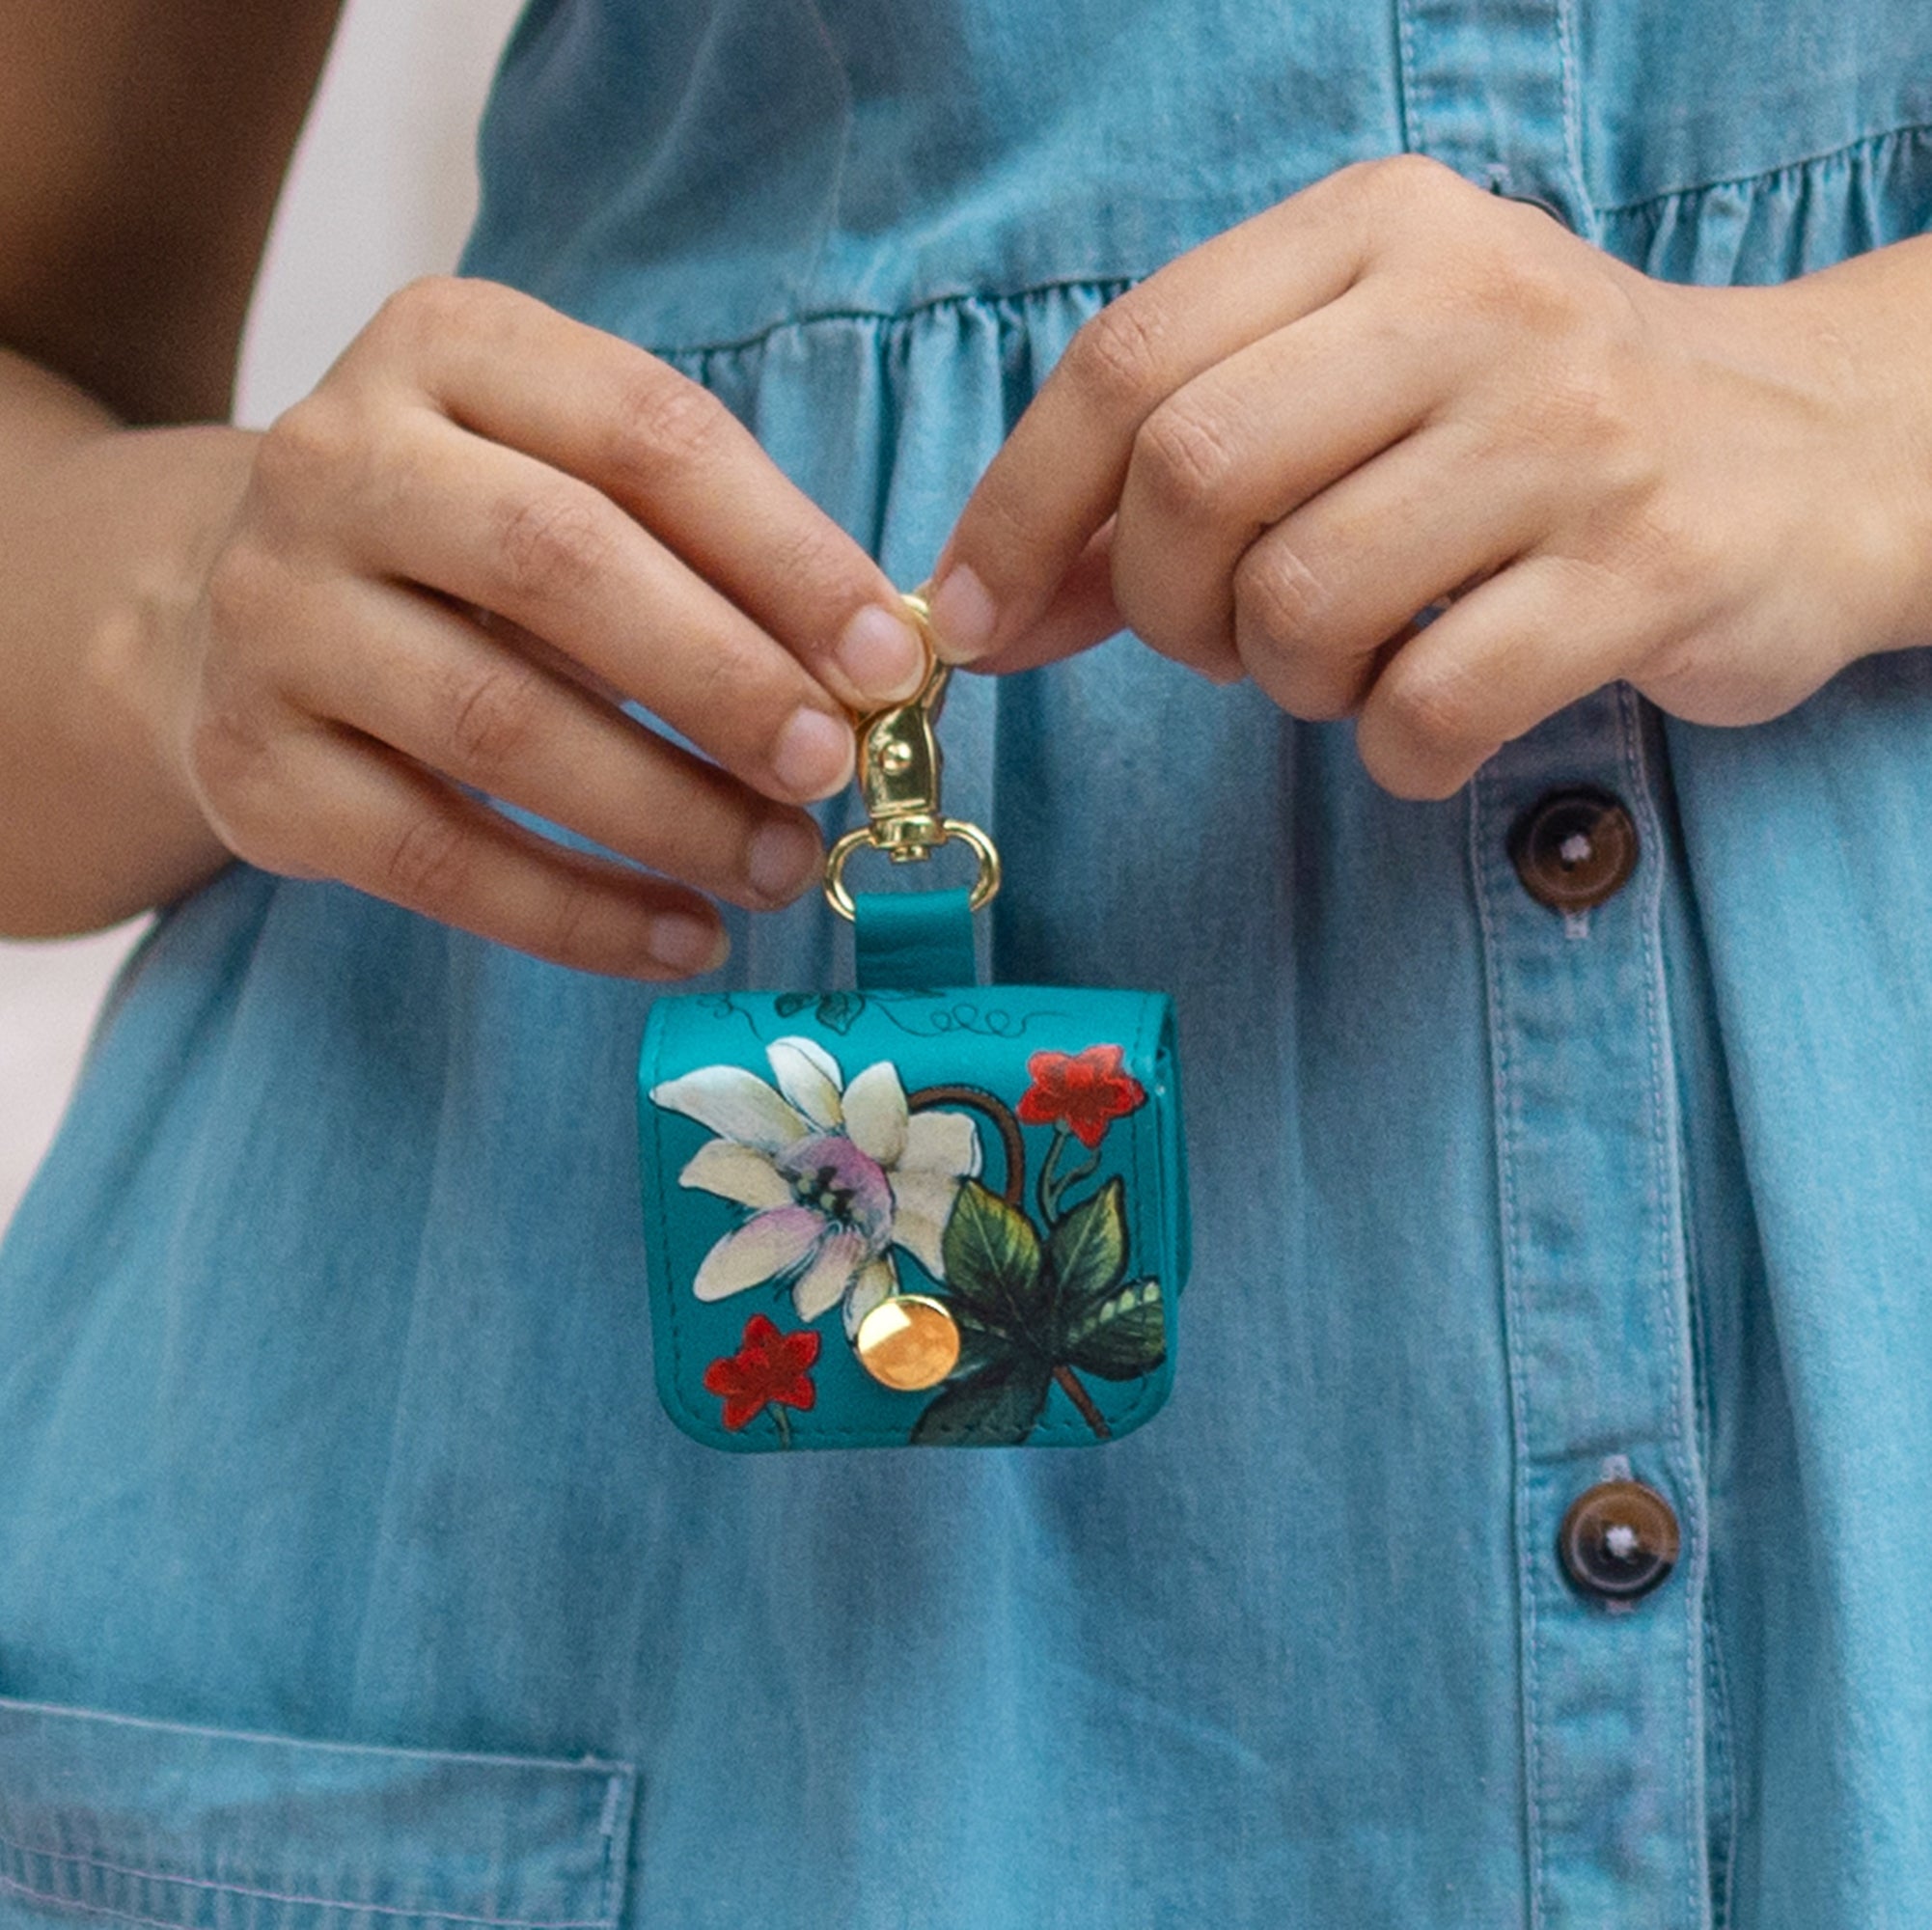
(1516, 769)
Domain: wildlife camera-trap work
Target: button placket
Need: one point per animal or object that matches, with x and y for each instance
(1597, 1320)
(1506, 116)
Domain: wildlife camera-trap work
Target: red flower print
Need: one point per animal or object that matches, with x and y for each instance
(1085, 1091)
(768, 1367)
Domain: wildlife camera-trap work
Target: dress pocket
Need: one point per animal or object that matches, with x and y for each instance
(194, 1829)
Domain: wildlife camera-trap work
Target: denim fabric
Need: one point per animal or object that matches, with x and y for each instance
(326, 1402)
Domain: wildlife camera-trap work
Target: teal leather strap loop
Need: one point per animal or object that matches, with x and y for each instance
(914, 941)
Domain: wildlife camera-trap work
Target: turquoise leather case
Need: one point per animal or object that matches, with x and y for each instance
(1012, 1152)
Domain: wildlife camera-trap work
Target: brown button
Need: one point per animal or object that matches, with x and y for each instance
(1618, 1540)
(1574, 849)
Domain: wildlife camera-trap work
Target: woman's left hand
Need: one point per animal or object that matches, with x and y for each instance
(1394, 389)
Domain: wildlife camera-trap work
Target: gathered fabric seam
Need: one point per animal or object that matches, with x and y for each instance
(1108, 286)
(1920, 129)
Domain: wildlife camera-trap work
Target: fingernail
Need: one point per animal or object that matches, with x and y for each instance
(881, 655)
(688, 944)
(963, 617)
(782, 858)
(812, 757)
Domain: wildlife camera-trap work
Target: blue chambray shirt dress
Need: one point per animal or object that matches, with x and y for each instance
(351, 1576)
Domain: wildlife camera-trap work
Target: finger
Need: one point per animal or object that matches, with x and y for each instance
(395, 832)
(413, 673)
(1082, 613)
(1316, 596)
(1058, 475)
(672, 455)
(491, 526)
(1538, 636)
(1244, 445)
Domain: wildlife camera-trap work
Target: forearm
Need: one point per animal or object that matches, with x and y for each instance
(105, 534)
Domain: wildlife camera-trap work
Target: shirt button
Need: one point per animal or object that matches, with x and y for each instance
(1618, 1540)
(1574, 849)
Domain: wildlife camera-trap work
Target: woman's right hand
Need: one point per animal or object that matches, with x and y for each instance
(485, 528)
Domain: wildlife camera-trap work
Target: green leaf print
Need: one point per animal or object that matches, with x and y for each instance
(996, 1407)
(993, 1262)
(1119, 1336)
(1086, 1251)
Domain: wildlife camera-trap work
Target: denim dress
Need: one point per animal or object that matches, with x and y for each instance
(1536, 1535)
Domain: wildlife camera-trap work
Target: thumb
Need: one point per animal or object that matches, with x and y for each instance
(1079, 614)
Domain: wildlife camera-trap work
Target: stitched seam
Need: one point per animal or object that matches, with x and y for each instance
(1573, 135)
(1143, 1060)
(1415, 140)
(1701, 1345)
(10, 1887)
(614, 1800)
(1664, 1338)
(1669, 1335)
(1719, 1700)
(1908, 130)
(1717, 1690)
(1717, 1694)
(1106, 286)
(1503, 1097)
(1730, 1783)
(408, 1914)
(588, 1766)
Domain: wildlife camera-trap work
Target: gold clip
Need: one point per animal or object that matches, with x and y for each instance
(899, 763)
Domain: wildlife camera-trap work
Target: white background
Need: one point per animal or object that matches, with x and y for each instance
(382, 189)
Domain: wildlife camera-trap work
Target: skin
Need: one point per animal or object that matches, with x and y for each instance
(1395, 389)
(313, 647)
(437, 575)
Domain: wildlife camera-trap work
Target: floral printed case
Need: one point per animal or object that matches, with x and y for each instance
(1007, 1162)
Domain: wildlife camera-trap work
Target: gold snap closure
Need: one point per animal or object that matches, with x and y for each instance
(908, 1343)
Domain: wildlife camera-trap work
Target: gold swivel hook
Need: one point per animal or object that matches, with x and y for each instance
(899, 763)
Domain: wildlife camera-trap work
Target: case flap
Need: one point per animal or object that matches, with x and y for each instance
(1011, 1153)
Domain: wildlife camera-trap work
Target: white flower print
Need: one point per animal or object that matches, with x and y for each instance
(836, 1176)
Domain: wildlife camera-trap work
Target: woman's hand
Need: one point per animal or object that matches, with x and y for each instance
(1394, 389)
(487, 526)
